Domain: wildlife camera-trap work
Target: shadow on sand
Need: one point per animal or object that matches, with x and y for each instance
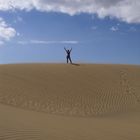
(75, 64)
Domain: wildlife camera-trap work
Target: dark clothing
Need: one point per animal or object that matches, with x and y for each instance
(69, 59)
(68, 56)
(68, 53)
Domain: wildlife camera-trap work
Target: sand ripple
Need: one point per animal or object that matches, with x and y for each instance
(17, 134)
(86, 90)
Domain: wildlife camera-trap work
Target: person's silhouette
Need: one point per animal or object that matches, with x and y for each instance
(68, 55)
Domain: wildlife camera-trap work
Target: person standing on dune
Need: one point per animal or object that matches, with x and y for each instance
(68, 55)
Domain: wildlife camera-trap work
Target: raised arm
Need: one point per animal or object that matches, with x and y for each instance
(70, 49)
(65, 49)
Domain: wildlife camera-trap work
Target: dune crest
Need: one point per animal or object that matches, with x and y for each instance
(86, 90)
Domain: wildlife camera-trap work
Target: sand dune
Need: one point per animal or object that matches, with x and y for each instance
(86, 90)
(69, 102)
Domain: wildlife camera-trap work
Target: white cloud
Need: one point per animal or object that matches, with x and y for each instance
(125, 10)
(47, 42)
(22, 42)
(6, 32)
(114, 29)
(41, 42)
(68, 42)
(54, 42)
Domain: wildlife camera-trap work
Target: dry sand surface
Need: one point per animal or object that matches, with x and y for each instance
(69, 102)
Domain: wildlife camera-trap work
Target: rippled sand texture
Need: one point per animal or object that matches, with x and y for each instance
(86, 90)
(69, 102)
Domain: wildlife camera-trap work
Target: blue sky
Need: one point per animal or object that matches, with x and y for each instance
(32, 35)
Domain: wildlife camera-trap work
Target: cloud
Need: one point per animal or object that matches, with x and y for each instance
(125, 10)
(114, 29)
(47, 42)
(68, 42)
(6, 32)
(53, 42)
(22, 42)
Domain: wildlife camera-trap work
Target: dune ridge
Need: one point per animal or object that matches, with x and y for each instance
(86, 90)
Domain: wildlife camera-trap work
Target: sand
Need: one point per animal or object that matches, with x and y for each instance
(69, 102)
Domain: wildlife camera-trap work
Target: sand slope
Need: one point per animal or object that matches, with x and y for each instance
(69, 102)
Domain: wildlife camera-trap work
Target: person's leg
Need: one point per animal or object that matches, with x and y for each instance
(70, 60)
(67, 59)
